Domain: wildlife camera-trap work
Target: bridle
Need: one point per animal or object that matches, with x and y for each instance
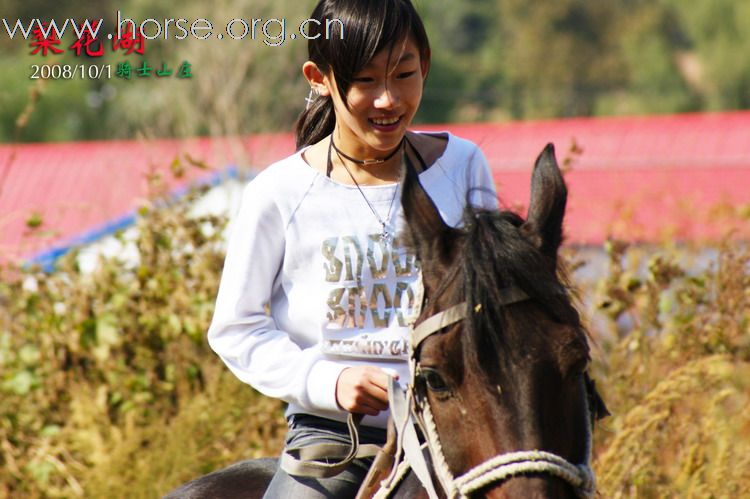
(410, 408)
(503, 466)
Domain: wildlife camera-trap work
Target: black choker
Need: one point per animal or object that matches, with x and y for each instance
(368, 161)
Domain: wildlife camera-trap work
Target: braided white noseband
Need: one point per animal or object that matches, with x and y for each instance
(503, 466)
(513, 463)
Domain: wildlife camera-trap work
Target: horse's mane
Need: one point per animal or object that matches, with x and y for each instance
(497, 256)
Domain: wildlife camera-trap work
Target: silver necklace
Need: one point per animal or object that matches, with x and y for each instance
(387, 233)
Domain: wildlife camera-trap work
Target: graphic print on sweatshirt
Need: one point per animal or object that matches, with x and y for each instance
(372, 297)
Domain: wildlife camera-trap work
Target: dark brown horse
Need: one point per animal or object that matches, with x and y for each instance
(503, 380)
(500, 388)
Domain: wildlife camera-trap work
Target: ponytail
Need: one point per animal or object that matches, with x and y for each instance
(315, 123)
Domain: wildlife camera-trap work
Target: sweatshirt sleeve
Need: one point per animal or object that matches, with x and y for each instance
(479, 182)
(243, 333)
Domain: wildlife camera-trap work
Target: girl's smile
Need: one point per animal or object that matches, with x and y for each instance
(381, 102)
(386, 124)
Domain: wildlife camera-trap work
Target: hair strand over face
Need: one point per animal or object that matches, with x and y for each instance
(369, 27)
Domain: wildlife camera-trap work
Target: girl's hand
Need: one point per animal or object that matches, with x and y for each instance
(362, 390)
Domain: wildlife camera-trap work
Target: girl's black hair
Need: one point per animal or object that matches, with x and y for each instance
(369, 26)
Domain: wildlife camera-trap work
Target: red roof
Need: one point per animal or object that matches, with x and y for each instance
(84, 188)
(637, 178)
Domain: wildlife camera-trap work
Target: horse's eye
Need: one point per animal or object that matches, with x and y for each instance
(433, 380)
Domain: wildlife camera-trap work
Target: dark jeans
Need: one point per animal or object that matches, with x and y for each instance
(307, 430)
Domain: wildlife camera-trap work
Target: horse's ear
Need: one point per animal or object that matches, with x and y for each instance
(547, 205)
(427, 232)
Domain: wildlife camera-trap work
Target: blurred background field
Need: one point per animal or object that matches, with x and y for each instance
(108, 388)
(493, 60)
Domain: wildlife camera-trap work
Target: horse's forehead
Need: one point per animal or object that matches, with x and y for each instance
(550, 341)
(525, 339)
(519, 344)
(444, 347)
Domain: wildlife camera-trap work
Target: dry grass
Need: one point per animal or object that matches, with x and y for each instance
(686, 438)
(677, 378)
(227, 423)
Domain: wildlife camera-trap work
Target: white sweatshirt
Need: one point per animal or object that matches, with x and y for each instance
(309, 288)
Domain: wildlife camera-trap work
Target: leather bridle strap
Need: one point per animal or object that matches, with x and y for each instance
(437, 322)
(407, 439)
(456, 313)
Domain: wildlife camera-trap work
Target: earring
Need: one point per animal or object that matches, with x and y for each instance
(314, 94)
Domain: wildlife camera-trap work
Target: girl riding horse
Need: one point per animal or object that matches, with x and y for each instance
(317, 291)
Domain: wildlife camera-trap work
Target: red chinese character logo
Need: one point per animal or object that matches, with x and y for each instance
(45, 42)
(129, 42)
(87, 41)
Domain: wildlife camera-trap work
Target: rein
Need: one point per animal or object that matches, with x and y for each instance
(498, 468)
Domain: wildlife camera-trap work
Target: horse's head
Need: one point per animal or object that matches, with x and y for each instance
(507, 375)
